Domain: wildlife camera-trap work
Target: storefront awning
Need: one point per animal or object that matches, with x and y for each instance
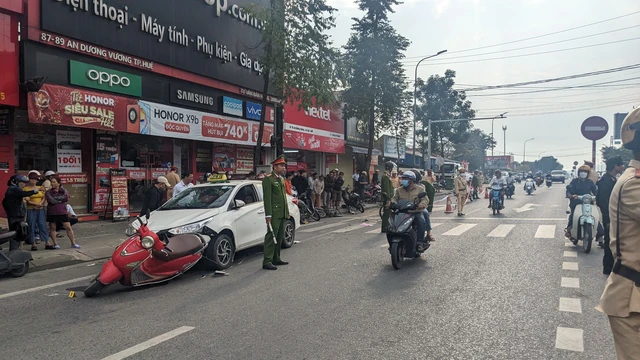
(359, 150)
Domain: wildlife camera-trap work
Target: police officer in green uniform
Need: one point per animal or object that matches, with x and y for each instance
(276, 212)
(387, 188)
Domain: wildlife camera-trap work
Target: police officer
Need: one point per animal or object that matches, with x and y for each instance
(461, 187)
(276, 212)
(605, 185)
(621, 297)
(387, 189)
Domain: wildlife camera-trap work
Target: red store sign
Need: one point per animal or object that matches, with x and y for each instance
(315, 128)
(9, 55)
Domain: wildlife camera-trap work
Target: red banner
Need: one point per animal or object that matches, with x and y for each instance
(225, 129)
(59, 105)
(304, 141)
(102, 185)
(74, 178)
(314, 128)
(9, 55)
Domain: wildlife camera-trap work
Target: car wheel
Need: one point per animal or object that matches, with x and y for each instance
(220, 252)
(289, 234)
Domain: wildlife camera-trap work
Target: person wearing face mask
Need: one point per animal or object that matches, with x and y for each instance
(615, 166)
(580, 186)
(461, 187)
(409, 191)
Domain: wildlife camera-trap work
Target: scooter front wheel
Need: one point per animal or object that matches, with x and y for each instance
(396, 255)
(587, 238)
(94, 289)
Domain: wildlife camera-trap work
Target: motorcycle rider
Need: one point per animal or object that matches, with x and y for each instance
(605, 185)
(409, 191)
(14, 206)
(511, 183)
(430, 190)
(499, 181)
(387, 189)
(475, 183)
(529, 179)
(580, 186)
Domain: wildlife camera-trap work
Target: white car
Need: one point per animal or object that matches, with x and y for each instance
(231, 213)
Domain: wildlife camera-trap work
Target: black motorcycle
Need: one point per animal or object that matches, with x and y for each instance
(15, 262)
(401, 234)
(510, 190)
(352, 200)
(305, 205)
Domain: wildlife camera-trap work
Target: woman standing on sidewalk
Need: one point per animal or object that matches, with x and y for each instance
(57, 198)
(36, 217)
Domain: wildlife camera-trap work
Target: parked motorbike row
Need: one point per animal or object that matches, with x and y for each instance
(352, 202)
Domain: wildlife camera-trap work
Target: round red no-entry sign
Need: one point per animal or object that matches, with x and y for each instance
(594, 128)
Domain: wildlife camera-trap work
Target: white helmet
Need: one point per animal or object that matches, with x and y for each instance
(34, 172)
(49, 173)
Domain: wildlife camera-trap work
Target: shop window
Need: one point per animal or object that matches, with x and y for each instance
(35, 150)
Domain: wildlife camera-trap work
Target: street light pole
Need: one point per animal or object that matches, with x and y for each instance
(493, 140)
(504, 139)
(415, 93)
(524, 151)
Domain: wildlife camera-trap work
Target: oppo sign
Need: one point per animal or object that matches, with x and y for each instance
(100, 78)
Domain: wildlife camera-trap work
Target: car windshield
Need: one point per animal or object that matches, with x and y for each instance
(557, 172)
(206, 197)
(448, 168)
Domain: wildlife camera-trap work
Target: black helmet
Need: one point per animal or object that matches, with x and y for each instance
(418, 175)
(389, 165)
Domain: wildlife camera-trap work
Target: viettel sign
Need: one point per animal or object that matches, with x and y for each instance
(97, 77)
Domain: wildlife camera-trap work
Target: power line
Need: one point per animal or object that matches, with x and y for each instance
(535, 37)
(574, 110)
(521, 55)
(562, 104)
(547, 90)
(445, 57)
(532, 100)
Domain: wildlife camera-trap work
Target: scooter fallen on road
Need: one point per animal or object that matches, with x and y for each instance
(144, 259)
(15, 262)
(401, 233)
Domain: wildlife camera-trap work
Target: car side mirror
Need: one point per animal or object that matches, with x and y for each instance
(237, 204)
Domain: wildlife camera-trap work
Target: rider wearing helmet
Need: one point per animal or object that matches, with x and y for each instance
(387, 191)
(580, 186)
(409, 191)
(621, 297)
(498, 180)
(14, 205)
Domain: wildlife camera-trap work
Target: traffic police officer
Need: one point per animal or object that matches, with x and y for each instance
(387, 189)
(461, 186)
(276, 210)
(621, 297)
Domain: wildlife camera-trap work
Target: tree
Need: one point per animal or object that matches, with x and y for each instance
(547, 164)
(299, 60)
(376, 83)
(610, 151)
(473, 148)
(400, 125)
(439, 101)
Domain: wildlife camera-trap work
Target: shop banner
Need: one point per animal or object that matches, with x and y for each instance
(59, 105)
(331, 158)
(9, 56)
(74, 178)
(357, 132)
(174, 122)
(392, 147)
(224, 158)
(253, 111)
(231, 106)
(314, 128)
(69, 151)
(106, 148)
(119, 194)
(102, 186)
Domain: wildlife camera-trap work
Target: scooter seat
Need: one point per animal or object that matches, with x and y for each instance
(4, 237)
(180, 246)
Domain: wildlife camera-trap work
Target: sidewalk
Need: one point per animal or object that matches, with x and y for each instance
(98, 240)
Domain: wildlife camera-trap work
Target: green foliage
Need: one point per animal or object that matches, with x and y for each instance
(610, 151)
(472, 148)
(547, 164)
(437, 100)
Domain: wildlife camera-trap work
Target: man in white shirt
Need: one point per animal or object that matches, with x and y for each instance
(187, 182)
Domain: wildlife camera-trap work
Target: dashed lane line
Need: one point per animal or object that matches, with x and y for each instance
(546, 232)
(44, 287)
(570, 266)
(570, 254)
(570, 282)
(570, 305)
(149, 343)
(501, 231)
(569, 339)
(459, 230)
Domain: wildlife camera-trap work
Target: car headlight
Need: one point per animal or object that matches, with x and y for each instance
(147, 242)
(190, 228)
(405, 225)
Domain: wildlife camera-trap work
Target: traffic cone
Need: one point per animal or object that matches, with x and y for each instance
(486, 194)
(449, 208)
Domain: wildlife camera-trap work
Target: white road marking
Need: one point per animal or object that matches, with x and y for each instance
(501, 231)
(376, 231)
(433, 225)
(570, 254)
(43, 287)
(570, 266)
(569, 339)
(493, 218)
(328, 226)
(546, 232)
(347, 229)
(149, 343)
(568, 243)
(459, 230)
(570, 282)
(570, 305)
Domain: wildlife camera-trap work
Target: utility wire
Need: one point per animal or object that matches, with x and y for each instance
(534, 37)
(547, 90)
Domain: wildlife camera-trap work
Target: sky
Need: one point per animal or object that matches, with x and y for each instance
(551, 118)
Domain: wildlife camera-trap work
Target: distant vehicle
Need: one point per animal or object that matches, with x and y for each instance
(558, 175)
(450, 169)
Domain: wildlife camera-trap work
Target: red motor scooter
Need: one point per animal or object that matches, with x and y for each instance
(143, 259)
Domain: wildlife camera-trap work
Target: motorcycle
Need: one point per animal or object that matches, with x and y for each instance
(15, 262)
(510, 190)
(401, 233)
(585, 222)
(143, 259)
(549, 183)
(496, 201)
(528, 186)
(539, 181)
(307, 210)
(352, 200)
(372, 194)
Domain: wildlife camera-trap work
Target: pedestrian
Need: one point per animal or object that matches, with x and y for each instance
(337, 190)
(174, 179)
(328, 187)
(621, 297)
(363, 180)
(187, 182)
(36, 217)
(318, 189)
(153, 197)
(593, 174)
(430, 177)
(387, 193)
(300, 182)
(375, 180)
(288, 187)
(475, 182)
(395, 180)
(461, 187)
(276, 211)
(615, 166)
(73, 219)
(14, 207)
(57, 198)
(480, 181)
(262, 175)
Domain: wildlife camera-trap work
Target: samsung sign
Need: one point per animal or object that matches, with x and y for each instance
(231, 106)
(253, 111)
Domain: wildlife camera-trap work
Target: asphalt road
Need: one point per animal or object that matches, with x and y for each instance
(489, 288)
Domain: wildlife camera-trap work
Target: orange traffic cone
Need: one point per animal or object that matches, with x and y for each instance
(486, 193)
(449, 208)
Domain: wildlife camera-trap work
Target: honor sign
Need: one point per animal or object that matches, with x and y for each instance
(97, 77)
